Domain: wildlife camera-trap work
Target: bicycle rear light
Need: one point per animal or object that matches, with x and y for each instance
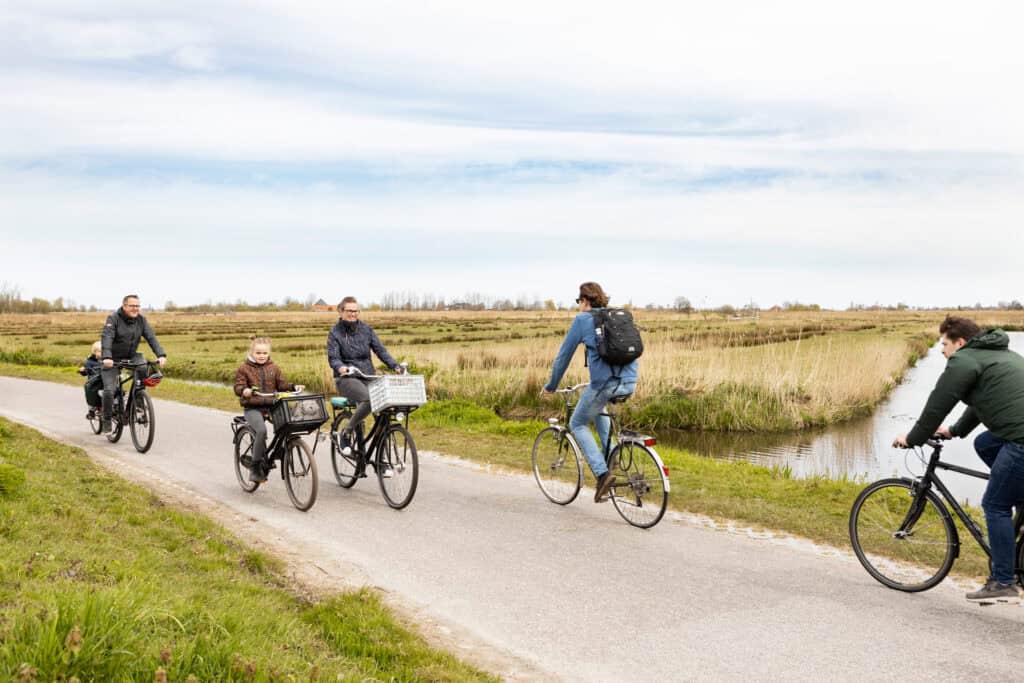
(650, 441)
(664, 468)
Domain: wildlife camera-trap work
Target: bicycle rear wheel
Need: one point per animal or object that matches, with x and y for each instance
(557, 465)
(640, 492)
(397, 466)
(96, 421)
(344, 465)
(143, 422)
(300, 474)
(905, 539)
(244, 439)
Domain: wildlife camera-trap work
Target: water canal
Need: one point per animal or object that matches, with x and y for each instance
(859, 449)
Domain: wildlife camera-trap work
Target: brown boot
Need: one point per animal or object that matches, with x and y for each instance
(604, 484)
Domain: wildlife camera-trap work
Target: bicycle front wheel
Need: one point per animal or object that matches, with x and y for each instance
(143, 422)
(300, 474)
(344, 465)
(557, 465)
(640, 492)
(398, 468)
(904, 538)
(244, 439)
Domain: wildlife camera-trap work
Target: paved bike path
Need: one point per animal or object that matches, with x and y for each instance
(573, 591)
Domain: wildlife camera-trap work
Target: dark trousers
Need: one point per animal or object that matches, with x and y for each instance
(1005, 489)
(112, 377)
(355, 390)
(254, 418)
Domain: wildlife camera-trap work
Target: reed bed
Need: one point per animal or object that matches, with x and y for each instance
(782, 371)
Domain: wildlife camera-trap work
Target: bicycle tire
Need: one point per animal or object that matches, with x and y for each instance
(558, 475)
(912, 561)
(640, 492)
(245, 437)
(397, 451)
(344, 466)
(142, 422)
(299, 471)
(96, 421)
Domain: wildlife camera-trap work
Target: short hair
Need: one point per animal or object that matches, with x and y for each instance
(97, 346)
(346, 300)
(959, 328)
(592, 292)
(253, 341)
(128, 296)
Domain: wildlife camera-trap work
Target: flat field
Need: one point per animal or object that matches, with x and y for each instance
(779, 371)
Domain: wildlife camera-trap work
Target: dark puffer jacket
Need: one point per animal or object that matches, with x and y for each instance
(987, 376)
(352, 345)
(121, 336)
(266, 379)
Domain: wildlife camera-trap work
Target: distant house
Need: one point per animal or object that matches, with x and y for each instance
(322, 305)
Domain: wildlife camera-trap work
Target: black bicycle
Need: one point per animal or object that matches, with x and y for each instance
(134, 408)
(389, 447)
(640, 492)
(903, 533)
(293, 415)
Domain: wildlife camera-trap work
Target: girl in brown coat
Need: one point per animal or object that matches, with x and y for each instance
(258, 374)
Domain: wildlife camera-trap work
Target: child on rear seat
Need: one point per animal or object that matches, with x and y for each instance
(90, 368)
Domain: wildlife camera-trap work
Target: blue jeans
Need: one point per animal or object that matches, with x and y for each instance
(591, 403)
(1005, 489)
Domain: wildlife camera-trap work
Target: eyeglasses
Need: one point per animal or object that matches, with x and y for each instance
(132, 306)
(350, 310)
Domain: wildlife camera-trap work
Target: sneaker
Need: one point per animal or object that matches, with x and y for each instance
(345, 442)
(91, 415)
(107, 426)
(257, 473)
(993, 591)
(387, 472)
(604, 484)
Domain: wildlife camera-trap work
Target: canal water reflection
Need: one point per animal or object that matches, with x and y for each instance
(858, 449)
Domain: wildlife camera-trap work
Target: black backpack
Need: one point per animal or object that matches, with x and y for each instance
(618, 340)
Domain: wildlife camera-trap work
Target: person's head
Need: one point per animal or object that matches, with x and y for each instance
(956, 332)
(259, 349)
(592, 296)
(348, 309)
(97, 350)
(130, 305)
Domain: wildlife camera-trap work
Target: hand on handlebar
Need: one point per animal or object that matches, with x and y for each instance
(108, 362)
(900, 442)
(161, 360)
(300, 387)
(943, 432)
(246, 393)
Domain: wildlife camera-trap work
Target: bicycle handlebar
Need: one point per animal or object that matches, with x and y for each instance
(133, 364)
(572, 389)
(353, 370)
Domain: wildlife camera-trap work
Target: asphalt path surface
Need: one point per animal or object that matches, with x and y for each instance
(569, 593)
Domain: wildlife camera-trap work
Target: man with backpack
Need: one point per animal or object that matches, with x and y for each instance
(612, 346)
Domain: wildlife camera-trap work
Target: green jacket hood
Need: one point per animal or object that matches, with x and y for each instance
(990, 339)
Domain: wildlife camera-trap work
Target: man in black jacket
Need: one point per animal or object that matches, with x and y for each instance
(122, 332)
(985, 374)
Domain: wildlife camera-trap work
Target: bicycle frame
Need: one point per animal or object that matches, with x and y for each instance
(930, 477)
(127, 399)
(369, 443)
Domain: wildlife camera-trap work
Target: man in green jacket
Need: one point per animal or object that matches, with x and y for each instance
(983, 373)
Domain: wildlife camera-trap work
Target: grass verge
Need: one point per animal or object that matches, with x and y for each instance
(99, 580)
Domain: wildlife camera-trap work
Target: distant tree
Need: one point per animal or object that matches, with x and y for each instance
(170, 305)
(726, 310)
(683, 305)
(549, 305)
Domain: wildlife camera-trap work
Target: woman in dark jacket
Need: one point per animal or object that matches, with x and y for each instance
(349, 343)
(258, 374)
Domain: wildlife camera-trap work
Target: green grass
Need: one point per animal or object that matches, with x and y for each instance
(101, 581)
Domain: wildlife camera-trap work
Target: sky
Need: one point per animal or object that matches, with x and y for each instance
(729, 152)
